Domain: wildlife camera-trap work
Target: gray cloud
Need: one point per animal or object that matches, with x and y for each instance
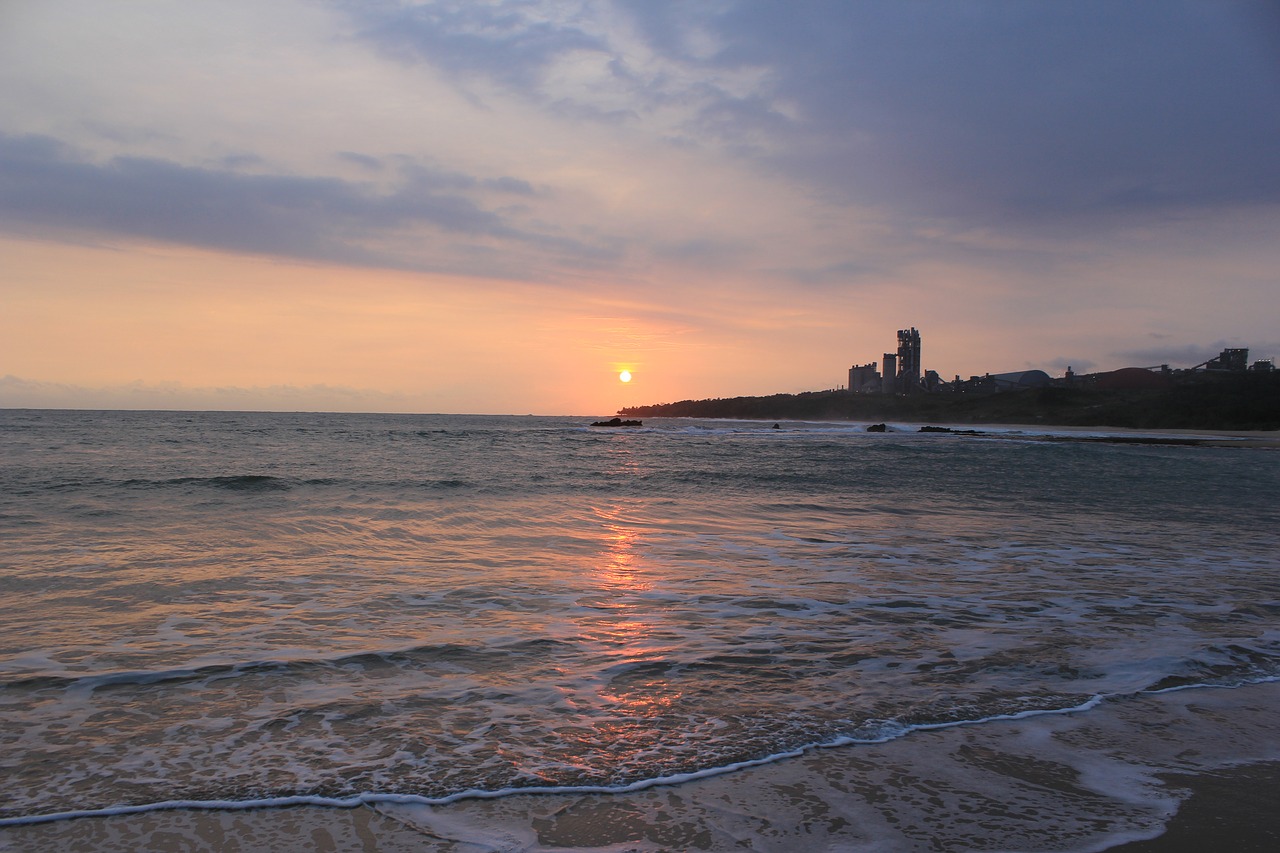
(1076, 365)
(1188, 355)
(1013, 114)
(700, 251)
(372, 164)
(46, 185)
(504, 41)
(514, 186)
(1009, 111)
(839, 274)
(235, 162)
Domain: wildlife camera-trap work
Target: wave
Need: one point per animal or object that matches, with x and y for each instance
(888, 731)
(241, 483)
(237, 483)
(417, 655)
(230, 482)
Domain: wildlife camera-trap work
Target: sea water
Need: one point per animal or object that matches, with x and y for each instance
(244, 608)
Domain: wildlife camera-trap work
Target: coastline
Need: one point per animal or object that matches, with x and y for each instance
(1220, 402)
(1251, 439)
(1147, 773)
(1243, 439)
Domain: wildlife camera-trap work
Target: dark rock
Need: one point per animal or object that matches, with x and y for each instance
(951, 431)
(617, 422)
(877, 428)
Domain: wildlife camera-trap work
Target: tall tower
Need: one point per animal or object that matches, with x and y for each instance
(908, 361)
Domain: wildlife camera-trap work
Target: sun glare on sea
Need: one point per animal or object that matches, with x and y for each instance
(625, 376)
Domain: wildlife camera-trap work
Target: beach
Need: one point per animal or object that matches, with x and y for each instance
(1160, 773)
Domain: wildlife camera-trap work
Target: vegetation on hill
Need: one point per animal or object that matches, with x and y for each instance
(1246, 401)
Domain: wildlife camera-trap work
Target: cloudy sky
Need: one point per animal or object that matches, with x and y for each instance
(471, 206)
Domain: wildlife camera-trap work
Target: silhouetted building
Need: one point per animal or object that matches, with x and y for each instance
(1229, 359)
(908, 361)
(992, 383)
(1019, 380)
(903, 374)
(889, 382)
(864, 378)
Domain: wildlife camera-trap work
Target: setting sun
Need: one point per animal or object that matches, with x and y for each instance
(625, 376)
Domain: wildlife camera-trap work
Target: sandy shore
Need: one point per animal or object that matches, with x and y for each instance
(1180, 771)
(1232, 809)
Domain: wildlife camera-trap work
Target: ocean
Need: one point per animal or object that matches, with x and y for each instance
(227, 610)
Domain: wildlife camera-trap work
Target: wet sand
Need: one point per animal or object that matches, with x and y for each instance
(1233, 809)
(1180, 771)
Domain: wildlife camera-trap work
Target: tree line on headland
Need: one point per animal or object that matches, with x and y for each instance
(1245, 401)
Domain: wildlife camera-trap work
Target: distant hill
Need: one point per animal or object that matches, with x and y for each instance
(1244, 401)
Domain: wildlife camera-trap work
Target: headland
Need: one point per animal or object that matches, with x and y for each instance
(1243, 401)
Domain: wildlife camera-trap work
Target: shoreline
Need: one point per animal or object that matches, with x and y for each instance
(1235, 806)
(1149, 773)
(1251, 439)
(1237, 402)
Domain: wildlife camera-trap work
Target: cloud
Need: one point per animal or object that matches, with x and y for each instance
(514, 186)
(839, 274)
(1076, 365)
(604, 63)
(1188, 355)
(509, 42)
(700, 251)
(372, 164)
(45, 184)
(1014, 114)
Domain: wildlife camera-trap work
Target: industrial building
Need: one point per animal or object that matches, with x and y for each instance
(1231, 361)
(902, 372)
(908, 361)
(1228, 359)
(1234, 360)
(864, 379)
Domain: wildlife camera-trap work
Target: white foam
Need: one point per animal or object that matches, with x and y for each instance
(1261, 679)
(888, 731)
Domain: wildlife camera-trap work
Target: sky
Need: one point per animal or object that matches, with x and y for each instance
(497, 207)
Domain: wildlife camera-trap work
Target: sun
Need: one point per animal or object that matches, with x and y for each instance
(624, 376)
